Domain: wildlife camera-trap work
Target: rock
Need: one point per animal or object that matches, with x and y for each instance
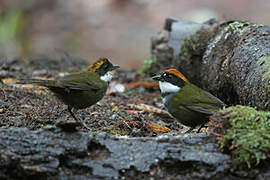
(15, 68)
(6, 64)
(162, 47)
(38, 73)
(162, 36)
(4, 73)
(51, 153)
(62, 74)
(181, 30)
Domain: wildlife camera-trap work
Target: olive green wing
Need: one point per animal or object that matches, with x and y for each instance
(83, 81)
(202, 101)
(205, 109)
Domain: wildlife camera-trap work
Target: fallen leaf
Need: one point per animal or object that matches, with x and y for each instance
(216, 134)
(144, 84)
(159, 128)
(9, 80)
(115, 109)
(132, 111)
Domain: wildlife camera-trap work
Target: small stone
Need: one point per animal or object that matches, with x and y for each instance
(62, 74)
(16, 68)
(3, 73)
(1, 111)
(164, 36)
(113, 117)
(141, 89)
(161, 37)
(162, 47)
(39, 72)
(26, 106)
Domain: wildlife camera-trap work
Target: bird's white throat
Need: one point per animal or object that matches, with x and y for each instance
(107, 77)
(166, 87)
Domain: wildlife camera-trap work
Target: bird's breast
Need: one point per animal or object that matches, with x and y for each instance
(166, 98)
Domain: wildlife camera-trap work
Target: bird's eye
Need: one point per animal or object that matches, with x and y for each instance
(166, 75)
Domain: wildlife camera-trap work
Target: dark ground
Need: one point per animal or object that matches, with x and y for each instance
(34, 106)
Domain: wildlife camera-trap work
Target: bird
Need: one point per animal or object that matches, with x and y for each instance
(82, 89)
(186, 102)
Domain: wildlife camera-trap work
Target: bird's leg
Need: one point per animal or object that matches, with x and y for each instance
(203, 125)
(72, 114)
(190, 129)
(79, 120)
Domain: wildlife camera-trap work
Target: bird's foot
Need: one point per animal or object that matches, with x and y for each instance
(190, 129)
(83, 124)
(79, 120)
(202, 126)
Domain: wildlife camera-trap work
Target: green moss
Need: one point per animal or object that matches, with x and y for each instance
(249, 136)
(147, 65)
(185, 48)
(195, 44)
(235, 27)
(265, 62)
(239, 27)
(117, 131)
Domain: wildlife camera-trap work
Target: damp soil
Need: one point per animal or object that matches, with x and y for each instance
(34, 107)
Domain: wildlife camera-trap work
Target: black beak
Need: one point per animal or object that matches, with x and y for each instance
(157, 77)
(115, 66)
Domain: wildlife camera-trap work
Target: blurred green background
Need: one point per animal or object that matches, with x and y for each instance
(118, 29)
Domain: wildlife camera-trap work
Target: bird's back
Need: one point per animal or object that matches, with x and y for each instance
(192, 106)
(78, 90)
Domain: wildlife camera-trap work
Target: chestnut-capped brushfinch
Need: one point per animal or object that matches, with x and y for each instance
(186, 102)
(82, 89)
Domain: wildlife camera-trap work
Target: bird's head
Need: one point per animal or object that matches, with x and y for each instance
(170, 81)
(104, 68)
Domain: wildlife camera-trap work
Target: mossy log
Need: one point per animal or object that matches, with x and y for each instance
(229, 59)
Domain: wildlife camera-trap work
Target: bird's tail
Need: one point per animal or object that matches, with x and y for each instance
(39, 82)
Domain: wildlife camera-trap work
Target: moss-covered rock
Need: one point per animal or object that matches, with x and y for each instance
(196, 44)
(245, 132)
(239, 27)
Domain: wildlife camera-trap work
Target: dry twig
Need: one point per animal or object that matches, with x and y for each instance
(150, 109)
